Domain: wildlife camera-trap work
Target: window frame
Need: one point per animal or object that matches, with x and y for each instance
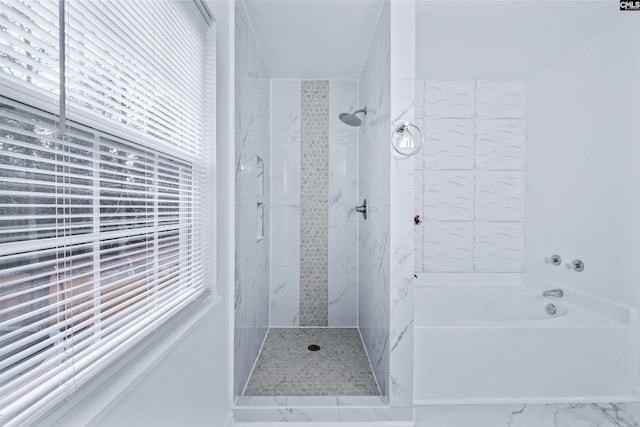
(37, 100)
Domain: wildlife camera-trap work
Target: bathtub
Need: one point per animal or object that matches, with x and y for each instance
(490, 339)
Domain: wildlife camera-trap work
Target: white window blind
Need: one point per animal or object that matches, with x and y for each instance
(101, 234)
(29, 49)
(139, 63)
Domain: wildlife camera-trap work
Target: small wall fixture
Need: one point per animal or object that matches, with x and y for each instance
(406, 141)
(553, 260)
(363, 209)
(576, 265)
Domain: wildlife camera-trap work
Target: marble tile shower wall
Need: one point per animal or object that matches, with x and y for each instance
(285, 204)
(343, 195)
(251, 302)
(470, 177)
(401, 199)
(374, 184)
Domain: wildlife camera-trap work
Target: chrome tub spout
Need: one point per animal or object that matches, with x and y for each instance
(553, 293)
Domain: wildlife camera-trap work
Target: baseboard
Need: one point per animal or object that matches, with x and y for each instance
(525, 400)
(328, 424)
(330, 416)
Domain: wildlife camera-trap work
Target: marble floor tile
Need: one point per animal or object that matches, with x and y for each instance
(530, 415)
(286, 367)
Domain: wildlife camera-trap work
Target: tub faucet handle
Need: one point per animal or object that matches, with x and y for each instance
(576, 265)
(554, 260)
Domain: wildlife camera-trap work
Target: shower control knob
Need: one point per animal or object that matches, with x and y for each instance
(363, 209)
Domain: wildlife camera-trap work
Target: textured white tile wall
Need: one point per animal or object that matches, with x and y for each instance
(449, 144)
(498, 246)
(499, 196)
(448, 195)
(495, 100)
(448, 246)
(469, 179)
(500, 144)
(446, 100)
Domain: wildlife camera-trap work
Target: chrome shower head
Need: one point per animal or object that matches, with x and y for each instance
(351, 119)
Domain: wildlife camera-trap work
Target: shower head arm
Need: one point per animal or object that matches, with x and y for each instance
(361, 110)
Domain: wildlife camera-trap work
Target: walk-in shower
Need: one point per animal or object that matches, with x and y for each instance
(307, 326)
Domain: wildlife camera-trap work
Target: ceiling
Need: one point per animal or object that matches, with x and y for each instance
(498, 40)
(455, 39)
(314, 39)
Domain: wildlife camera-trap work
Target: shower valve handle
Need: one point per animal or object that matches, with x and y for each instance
(363, 209)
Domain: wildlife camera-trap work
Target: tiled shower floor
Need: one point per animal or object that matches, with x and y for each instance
(286, 367)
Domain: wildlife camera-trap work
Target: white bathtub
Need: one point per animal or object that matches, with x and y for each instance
(488, 339)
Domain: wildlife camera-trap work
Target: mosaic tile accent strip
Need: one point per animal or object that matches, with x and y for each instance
(314, 214)
(286, 367)
(470, 177)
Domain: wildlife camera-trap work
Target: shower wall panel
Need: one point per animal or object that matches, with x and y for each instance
(252, 196)
(401, 201)
(340, 189)
(374, 184)
(285, 203)
(470, 176)
(343, 195)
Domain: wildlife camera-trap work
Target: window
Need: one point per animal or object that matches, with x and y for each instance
(102, 141)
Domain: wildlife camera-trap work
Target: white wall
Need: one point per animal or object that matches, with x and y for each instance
(583, 165)
(503, 40)
(189, 387)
